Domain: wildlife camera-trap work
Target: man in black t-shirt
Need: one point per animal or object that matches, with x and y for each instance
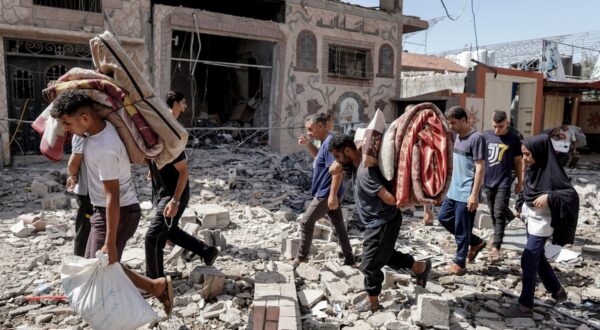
(503, 155)
(170, 195)
(382, 219)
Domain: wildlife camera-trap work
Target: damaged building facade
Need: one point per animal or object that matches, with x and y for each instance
(256, 63)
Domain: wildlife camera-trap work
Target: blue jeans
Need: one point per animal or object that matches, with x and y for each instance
(533, 263)
(456, 218)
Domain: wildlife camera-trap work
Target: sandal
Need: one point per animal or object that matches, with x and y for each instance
(166, 298)
(422, 277)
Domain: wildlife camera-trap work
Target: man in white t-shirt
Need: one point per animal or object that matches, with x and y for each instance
(116, 208)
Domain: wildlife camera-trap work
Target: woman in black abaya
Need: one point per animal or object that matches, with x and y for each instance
(551, 209)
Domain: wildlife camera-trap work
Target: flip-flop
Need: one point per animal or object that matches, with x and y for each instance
(166, 298)
(422, 277)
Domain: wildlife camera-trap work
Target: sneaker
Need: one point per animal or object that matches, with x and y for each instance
(560, 296)
(457, 270)
(474, 251)
(367, 306)
(211, 256)
(517, 311)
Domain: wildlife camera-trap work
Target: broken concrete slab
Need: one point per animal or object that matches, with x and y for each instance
(591, 252)
(308, 298)
(212, 280)
(289, 247)
(21, 229)
(432, 311)
(212, 216)
(308, 272)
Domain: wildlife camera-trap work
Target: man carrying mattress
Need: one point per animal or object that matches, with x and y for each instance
(326, 191)
(457, 213)
(382, 219)
(116, 208)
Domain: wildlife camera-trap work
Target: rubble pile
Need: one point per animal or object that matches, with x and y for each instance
(246, 200)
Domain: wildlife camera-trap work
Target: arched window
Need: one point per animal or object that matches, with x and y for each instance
(22, 81)
(386, 61)
(54, 72)
(306, 52)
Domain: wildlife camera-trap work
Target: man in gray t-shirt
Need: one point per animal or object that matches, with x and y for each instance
(78, 184)
(378, 211)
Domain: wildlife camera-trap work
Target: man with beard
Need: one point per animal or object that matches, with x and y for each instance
(378, 212)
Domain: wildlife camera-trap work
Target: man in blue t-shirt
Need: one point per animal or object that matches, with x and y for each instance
(504, 155)
(457, 213)
(382, 219)
(326, 191)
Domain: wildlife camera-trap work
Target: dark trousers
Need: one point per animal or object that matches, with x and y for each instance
(563, 158)
(456, 218)
(82, 224)
(158, 233)
(316, 210)
(379, 251)
(498, 199)
(533, 263)
(128, 221)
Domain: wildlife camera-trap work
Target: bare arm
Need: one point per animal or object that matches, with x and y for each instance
(173, 205)
(473, 201)
(311, 147)
(336, 168)
(73, 169)
(336, 183)
(111, 190)
(518, 164)
(386, 196)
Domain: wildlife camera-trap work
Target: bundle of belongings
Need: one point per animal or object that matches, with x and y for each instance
(124, 98)
(415, 151)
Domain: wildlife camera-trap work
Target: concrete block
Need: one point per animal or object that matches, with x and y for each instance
(55, 201)
(307, 272)
(206, 236)
(57, 231)
(219, 239)
(308, 298)
(38, 188)
(212, 281)
(289, 247)
(337, 290)
(591, 252)
(189, 216)
(213, 216)
(483, 221)
(21, 229)
(134, 257)
(432, 311)
(521, 323)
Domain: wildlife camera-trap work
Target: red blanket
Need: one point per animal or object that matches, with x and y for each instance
(424, 142)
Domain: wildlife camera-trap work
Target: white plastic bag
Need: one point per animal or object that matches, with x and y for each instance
(103, 295)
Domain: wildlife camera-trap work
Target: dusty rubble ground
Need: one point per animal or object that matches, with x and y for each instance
(264, 202)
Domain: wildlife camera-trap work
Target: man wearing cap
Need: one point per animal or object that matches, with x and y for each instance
(503, 155)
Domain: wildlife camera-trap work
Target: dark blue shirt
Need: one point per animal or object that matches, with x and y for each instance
(373, 211)
(321, 181)
(499, 163)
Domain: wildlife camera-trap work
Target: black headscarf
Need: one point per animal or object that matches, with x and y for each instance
(547, 176)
